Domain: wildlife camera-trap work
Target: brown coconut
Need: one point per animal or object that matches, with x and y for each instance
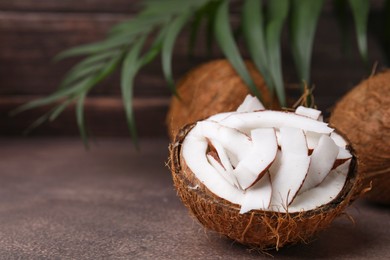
(260, 229)
(209, 89)
(363, 116)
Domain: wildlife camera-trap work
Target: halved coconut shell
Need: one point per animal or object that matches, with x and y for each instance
(257, 228)
(363, 117)
(209, 89)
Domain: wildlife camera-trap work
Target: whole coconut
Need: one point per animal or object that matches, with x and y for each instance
(363, 117)
(209, 89)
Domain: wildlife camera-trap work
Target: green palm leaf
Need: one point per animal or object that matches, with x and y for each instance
(207, 14)
(304, 16)
(263, 38)
(81, 73)
(81, 119)
(59, 109)
(130, 67)
(253, 31)
(277, 12)
(224, 37)
(116, 42)
(360, 10)
(167, 47)
(56, 96)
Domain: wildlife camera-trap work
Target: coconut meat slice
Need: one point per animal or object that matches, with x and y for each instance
(223, 161)
(312, 139)
(293, 140)
(250, 104)
(194, 151)
(218, 166)
(258, 196)
(338, 139)
(324, 193)
(257, 161)
(289, 169)
(221, 170)
(277, 119)
(222, 155)
(342, 156)
(322, 160)
(234, 141)
(309, 112)
(219, 117)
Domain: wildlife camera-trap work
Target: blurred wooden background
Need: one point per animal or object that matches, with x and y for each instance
(32, 32)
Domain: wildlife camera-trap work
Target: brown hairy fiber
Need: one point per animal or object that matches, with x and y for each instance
(363, 116)
(209, 89)
(260, 229)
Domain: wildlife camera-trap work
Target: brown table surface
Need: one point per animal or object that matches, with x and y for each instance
(59, 201)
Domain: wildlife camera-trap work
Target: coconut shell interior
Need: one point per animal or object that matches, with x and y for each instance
(260, 229)
(209, 89)
(363, 116)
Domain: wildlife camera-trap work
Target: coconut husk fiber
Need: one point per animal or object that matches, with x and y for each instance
(259, 229)
(363, 116)
(209, 89)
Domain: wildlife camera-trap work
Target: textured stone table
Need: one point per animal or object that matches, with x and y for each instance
(59, 201)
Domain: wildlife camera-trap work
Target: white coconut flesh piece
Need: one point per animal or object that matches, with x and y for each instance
(222, 171)
(219, 117)
(233, 140)
(342, 156)
(194, 150)
(309, 112)
(251, 168)
(338, 139)
(277, 119)
(312, 139)
(266, 167)
(250, 104)
(323, 193)
(258, 196)
(290, 168)
(221, 158)
(322, 161)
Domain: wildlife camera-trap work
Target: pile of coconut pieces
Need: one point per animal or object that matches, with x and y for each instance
(268, 160)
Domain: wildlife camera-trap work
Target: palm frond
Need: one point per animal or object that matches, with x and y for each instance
(224, 37)
(123, 45)
(80, 118)
(277, 12)
(304, 17)
(360, 10)
(167, 47)
(160, 23)
(130, 67)
(254, 34)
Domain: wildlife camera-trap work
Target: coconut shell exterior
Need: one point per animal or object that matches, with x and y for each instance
(363, 116)
(209, 89)
(259, 229)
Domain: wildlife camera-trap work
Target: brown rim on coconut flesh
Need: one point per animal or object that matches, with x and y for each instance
(264, 229)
